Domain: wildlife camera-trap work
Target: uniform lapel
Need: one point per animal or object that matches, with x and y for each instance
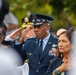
(47, 48)
(36, 49)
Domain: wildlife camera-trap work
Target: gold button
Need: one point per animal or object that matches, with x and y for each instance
(27, 61)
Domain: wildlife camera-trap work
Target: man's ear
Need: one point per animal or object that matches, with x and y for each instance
(48, 27)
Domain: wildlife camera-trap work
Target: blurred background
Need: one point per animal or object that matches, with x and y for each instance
(63, 11)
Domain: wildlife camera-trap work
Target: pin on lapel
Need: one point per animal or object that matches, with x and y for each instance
(54, 45)
(53, 50)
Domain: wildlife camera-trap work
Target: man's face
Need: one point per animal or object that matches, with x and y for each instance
(41, 30)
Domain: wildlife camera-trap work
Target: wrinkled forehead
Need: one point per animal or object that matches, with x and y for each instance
(62, 36)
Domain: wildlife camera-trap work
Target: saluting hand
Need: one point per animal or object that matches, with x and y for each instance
(15, 34)
(23, 35)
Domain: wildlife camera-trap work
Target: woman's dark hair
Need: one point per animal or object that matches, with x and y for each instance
(69, 36)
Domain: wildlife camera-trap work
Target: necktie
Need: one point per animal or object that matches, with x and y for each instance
(40, 48)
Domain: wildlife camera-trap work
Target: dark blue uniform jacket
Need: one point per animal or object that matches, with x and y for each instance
(30, 49)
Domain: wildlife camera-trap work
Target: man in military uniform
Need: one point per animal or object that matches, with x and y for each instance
(37, 50)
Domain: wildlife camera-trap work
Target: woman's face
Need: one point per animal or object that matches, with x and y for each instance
(64, 44)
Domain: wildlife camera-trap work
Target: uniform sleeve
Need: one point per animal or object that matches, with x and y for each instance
(8, 38)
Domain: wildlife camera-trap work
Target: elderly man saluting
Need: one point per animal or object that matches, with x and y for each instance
(38, 50)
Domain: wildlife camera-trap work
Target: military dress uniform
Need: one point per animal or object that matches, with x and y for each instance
(38, 66)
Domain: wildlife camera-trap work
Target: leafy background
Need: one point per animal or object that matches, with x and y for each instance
(63, 11)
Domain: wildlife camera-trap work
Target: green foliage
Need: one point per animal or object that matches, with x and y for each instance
(61, 10)
(57, 6)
